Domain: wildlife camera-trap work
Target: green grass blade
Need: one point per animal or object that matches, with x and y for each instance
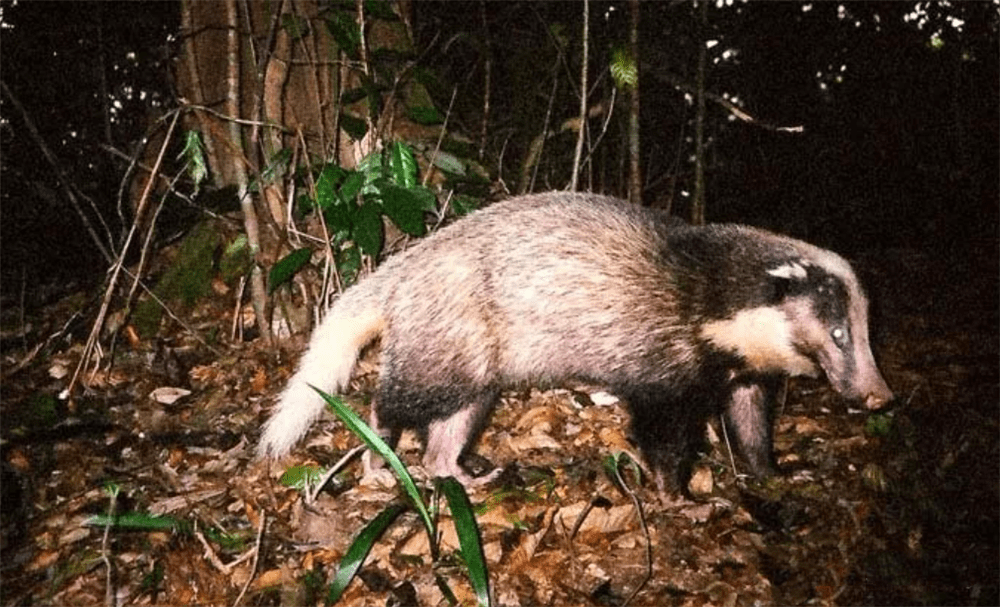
(468, 538)
(376, 444)
(355, 556)
(140, 521)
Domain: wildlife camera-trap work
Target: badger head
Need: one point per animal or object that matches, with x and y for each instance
(811, 315)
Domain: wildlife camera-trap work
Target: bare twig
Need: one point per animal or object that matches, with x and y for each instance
(334, 469)
(645, 533)
(729, 446)
(444, 129)
(256, 558)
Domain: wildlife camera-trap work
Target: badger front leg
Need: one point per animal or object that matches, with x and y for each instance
(448, 439)
(749, 420)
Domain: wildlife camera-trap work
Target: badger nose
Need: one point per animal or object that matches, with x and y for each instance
(877, 400)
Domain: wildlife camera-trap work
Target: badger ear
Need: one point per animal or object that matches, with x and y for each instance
(790, 270)
(784, 278)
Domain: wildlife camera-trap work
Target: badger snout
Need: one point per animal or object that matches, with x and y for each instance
(878, 396)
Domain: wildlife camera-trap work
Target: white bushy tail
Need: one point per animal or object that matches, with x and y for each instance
(353, 321)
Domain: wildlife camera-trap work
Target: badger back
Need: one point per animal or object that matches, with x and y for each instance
(791, 307)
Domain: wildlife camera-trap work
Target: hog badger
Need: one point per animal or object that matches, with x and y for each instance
(681, 322)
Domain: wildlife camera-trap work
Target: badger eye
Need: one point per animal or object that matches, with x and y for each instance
(839, 336)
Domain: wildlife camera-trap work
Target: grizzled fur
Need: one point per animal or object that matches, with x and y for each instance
(682, 322)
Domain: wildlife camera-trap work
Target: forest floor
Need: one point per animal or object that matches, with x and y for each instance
(897, 508)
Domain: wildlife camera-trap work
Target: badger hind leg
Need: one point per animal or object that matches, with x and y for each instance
(449, 437)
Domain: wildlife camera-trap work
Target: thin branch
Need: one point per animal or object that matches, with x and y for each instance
(645, 533)
(256, 558)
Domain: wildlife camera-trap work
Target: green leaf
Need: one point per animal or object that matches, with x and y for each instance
(878, 424)
(336, 208)
(356, 128)
(449, 163)
(236, 259)
(352, 185)
(373, 169)
(425, 114)
(353, 95)
(326, 185)
(623, 68)
(195, 155)
(380, 9)
(349, 264)
(302, 478)
(356, 554)
(286, 267)
(345, 32)
(468, 537)
(376, 444)
(404, 207)
(402, 165)
(367, 230)
(615, 461)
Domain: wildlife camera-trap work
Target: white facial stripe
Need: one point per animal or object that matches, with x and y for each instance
(762, 336)
(790, 270)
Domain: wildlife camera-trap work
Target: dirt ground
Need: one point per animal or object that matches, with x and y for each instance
(899, 508)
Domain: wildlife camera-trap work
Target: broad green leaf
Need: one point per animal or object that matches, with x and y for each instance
(326, 185)
(336, 209)
(375, 443)
(373, 169)
(356, 128)
(404, 207)
(367, 230)
(345, 32)
(468, 538)
(402, 165)
(449, 163)
(350, 188)
(286, 267)
(356, 554)
(425, 198)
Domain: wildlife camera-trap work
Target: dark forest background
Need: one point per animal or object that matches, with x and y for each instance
(898, 102)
